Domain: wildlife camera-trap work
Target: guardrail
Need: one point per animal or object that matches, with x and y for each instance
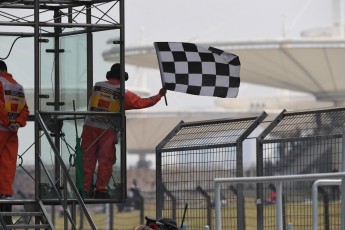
(314, 203)
(278, 180)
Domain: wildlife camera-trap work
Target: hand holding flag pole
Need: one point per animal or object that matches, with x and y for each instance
(163, 89)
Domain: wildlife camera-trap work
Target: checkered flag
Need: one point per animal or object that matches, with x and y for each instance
(198, 70)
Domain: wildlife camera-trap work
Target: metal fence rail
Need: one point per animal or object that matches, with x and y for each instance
(278, 180)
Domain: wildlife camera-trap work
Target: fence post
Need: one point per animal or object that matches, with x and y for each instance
(217, 205)
(279, 208)
(141, 208)
(342, 194)
(325, 207)
(315, 217)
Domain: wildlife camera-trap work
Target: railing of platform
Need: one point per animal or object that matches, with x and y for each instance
(278, 180)
(67, 178)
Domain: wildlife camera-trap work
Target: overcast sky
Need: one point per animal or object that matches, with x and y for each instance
(223, 20)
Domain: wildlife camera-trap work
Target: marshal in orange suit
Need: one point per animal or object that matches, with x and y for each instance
(13, 114)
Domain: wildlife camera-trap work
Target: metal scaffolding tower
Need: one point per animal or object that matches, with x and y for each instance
(62, 32)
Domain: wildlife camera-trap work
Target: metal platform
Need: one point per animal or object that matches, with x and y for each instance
(49, 3)
(49, 15)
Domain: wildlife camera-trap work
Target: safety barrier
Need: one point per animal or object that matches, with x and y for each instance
(292, 144)
(278, 180)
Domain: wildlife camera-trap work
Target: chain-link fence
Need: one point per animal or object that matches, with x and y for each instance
(193, 154)
(189, 159)
(301, 143)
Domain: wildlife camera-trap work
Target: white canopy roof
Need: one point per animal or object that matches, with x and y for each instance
(313, 66)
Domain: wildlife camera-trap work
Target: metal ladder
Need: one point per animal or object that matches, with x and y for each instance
(31, 215)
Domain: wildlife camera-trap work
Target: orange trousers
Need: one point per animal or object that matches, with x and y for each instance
(8, 161)
(98, 146)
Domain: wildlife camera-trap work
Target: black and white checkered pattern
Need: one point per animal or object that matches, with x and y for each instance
(198, 70)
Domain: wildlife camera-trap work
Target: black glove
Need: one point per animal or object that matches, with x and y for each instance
(162, 92)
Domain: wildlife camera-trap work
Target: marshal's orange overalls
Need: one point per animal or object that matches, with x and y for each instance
(99, 136)
(13, 109)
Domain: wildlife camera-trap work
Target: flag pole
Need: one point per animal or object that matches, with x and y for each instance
(165, 96)
(165, 99)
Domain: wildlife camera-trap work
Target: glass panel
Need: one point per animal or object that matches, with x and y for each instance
(46, 91)
(47, 78)
(73, 72)
(73, 89)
